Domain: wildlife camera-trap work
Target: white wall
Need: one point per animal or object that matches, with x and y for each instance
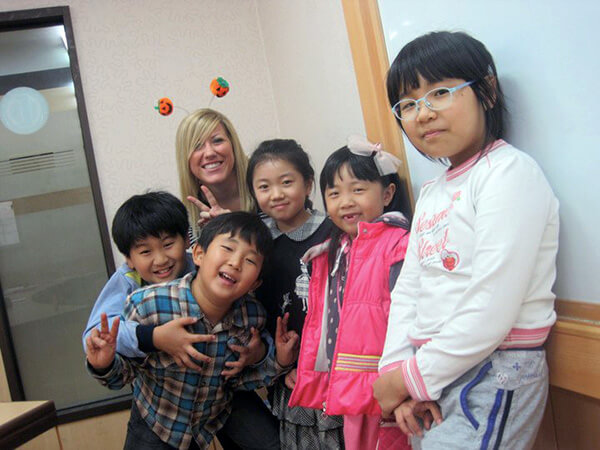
(547, 62)
(288, 64)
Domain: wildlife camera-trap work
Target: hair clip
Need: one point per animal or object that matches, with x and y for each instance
(386, 162)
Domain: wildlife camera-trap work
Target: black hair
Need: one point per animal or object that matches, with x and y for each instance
(248, 226)
(281, 149)
(363, 168)
(149, 214)
(445, 54)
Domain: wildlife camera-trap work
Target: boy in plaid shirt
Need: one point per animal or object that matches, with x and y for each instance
(177, 407)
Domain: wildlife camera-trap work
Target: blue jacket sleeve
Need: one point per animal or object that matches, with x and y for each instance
(112, 301)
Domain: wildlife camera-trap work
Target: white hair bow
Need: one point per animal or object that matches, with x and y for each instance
(386, 162)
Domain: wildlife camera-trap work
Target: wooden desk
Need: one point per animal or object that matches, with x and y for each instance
(22, 421)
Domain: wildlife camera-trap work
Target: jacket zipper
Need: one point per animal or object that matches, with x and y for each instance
(335, 351)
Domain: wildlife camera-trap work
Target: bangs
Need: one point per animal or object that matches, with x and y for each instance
(247, 226)
(436, 56)
(360, 167)
(433, 67)
(202, 133)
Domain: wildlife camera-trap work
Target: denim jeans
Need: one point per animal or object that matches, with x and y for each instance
(251, 426)
(140, 436)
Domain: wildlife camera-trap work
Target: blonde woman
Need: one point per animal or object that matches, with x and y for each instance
(212, 167)
(212, 177)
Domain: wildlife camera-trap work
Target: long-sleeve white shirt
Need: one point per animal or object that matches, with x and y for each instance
(478, 271)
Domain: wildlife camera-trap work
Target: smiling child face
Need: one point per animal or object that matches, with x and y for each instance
(158, 259)
(227, 269)
(351, 200)
(281, 191)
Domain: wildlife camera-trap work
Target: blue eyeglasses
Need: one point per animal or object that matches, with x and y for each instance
(436, 99)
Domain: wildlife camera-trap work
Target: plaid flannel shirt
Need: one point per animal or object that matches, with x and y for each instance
(179, 404)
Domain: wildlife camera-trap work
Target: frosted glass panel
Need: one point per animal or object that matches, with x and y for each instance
(52, 263)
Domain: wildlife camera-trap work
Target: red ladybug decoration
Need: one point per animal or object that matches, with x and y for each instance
(219, 87)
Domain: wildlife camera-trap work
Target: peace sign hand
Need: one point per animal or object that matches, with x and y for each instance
(210, 211)
(101, 344)
(286, 342)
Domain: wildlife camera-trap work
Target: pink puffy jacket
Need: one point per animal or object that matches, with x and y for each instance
(362, 326)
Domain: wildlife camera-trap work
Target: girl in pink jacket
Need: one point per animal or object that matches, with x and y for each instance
(349, 293)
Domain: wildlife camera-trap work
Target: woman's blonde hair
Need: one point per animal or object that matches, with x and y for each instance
(194, 130)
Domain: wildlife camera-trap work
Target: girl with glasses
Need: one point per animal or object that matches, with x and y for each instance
(473, 304)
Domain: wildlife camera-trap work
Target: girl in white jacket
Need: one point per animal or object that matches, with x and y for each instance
(473, 303)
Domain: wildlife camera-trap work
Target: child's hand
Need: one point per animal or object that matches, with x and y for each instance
(250, 354)
(409, 410)
(101, 344)
(174, 339)
(290, 378)
(389, 391)
(286, 342)
(207, 212)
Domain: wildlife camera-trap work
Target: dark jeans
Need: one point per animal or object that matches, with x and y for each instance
(140, 436)
(251, 426)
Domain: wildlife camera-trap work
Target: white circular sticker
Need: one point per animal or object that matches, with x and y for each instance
(23, 110)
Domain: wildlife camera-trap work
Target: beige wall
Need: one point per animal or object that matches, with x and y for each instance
(288, 63)
(312, 74)
(131, 53)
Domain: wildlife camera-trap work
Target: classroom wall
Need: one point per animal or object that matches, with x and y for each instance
(312, 75)
(288, 64)
(133, 53)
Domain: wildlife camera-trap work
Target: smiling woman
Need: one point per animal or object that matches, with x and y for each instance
(212, 177)
(209, 154)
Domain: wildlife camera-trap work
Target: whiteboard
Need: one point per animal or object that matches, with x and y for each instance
(547, 57)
